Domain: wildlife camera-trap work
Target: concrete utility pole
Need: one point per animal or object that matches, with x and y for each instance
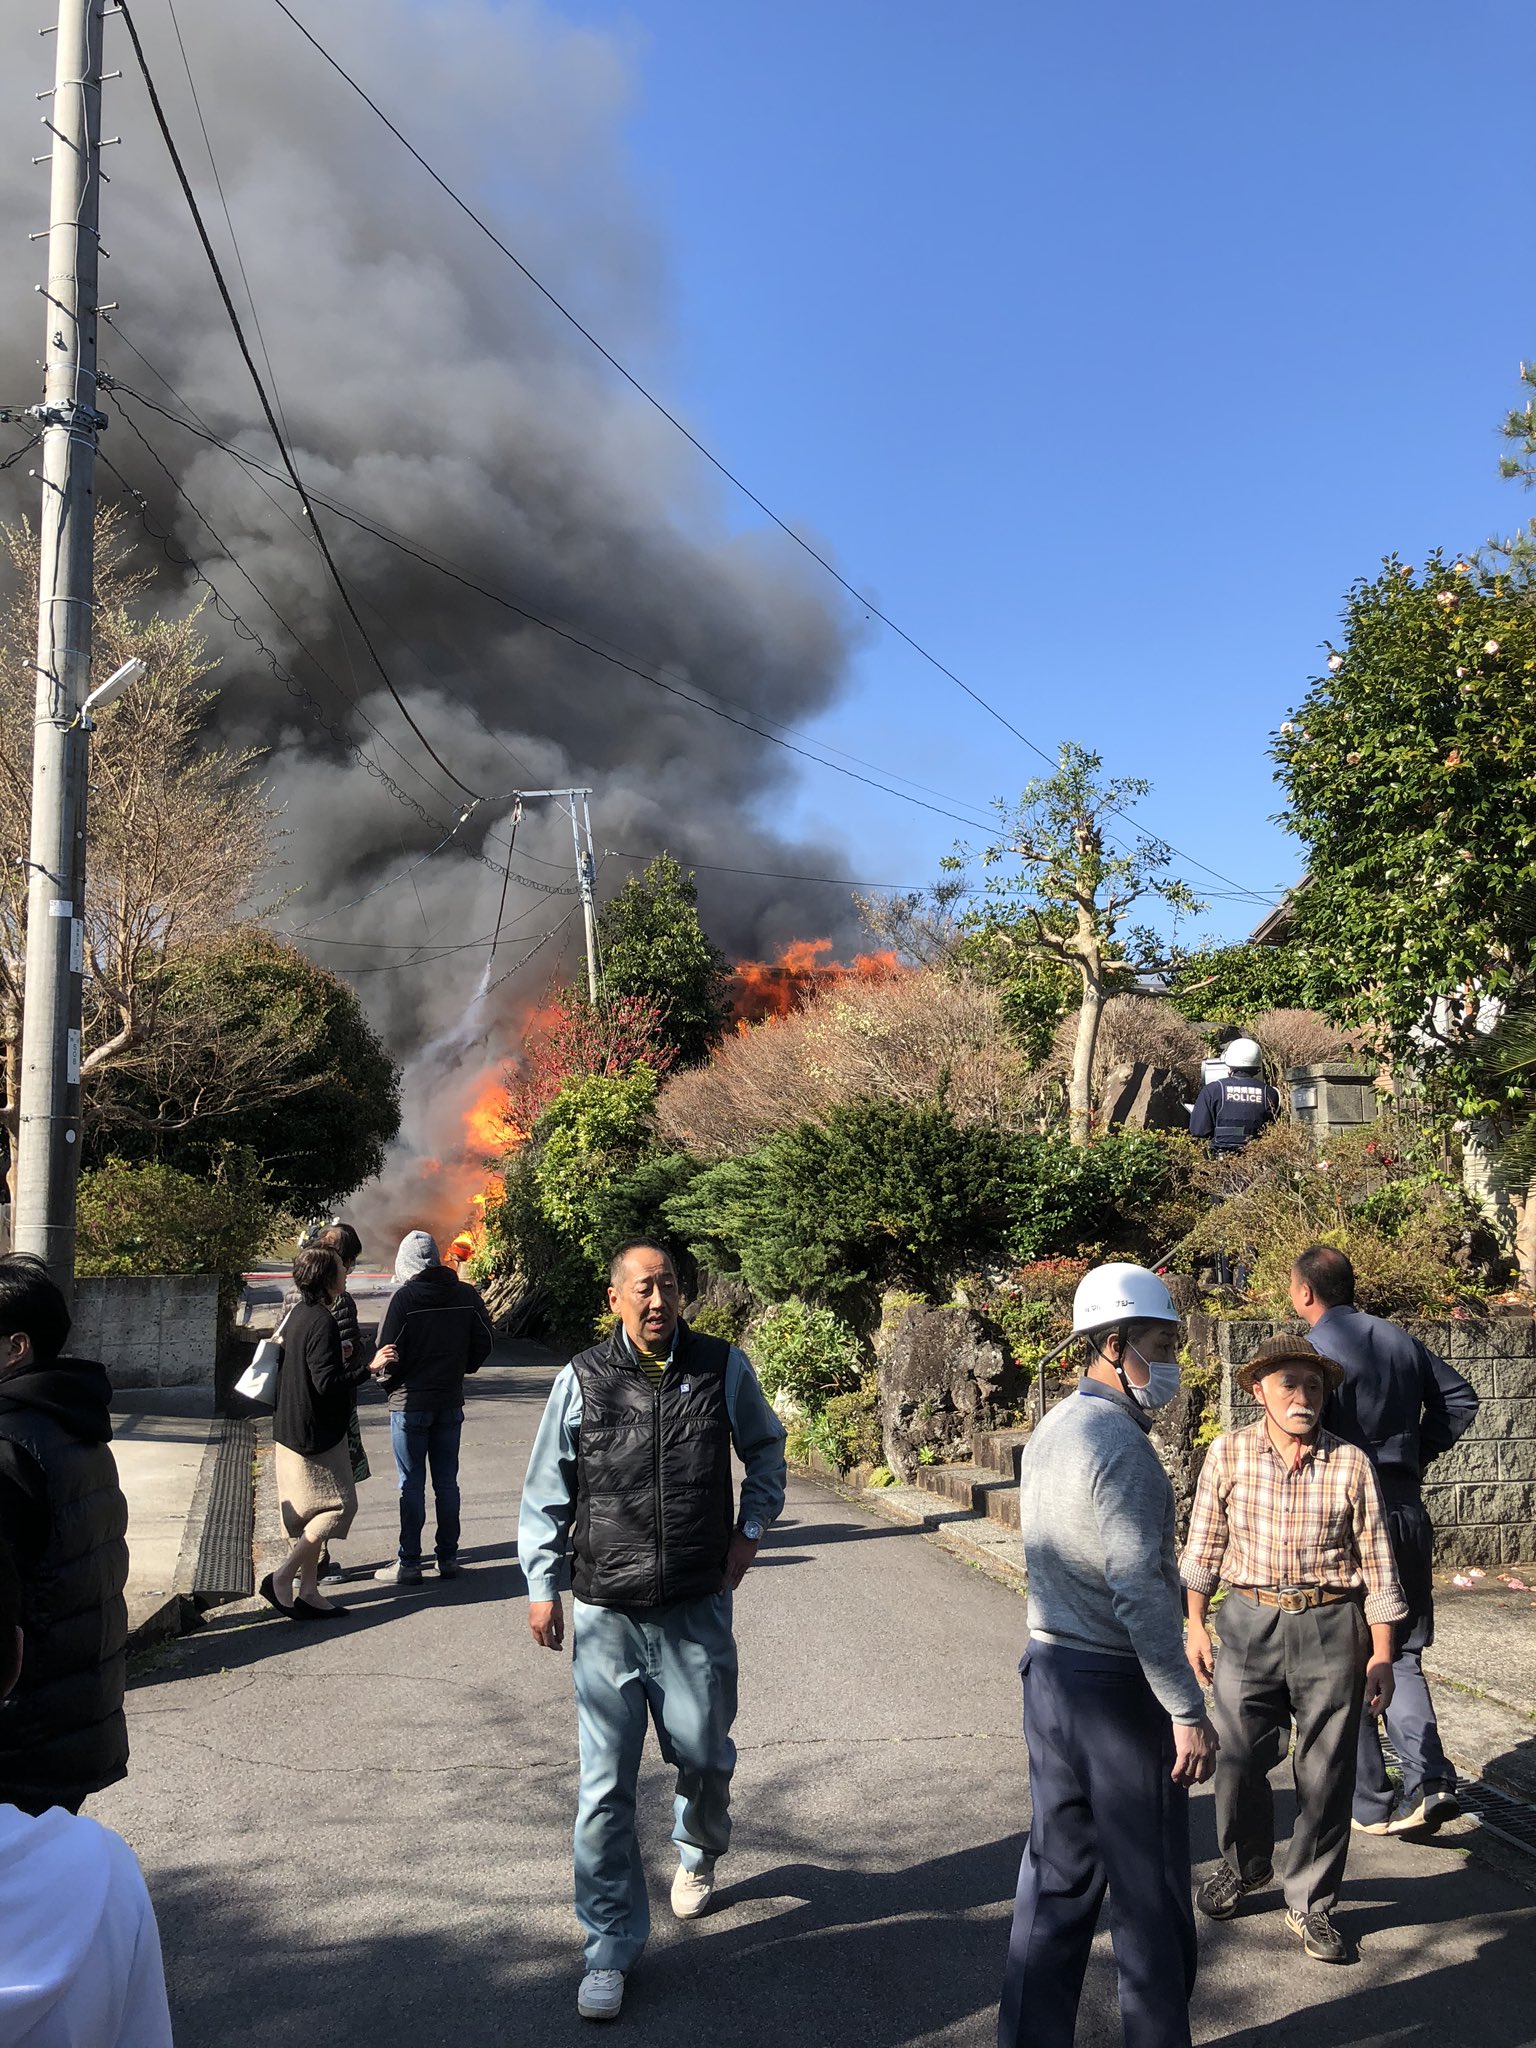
(48, 1139)
(585, 876)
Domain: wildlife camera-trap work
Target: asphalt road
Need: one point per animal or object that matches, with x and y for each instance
(360, 1834)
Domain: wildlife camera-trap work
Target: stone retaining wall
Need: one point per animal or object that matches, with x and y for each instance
(152, 1330)
(1482, 1494)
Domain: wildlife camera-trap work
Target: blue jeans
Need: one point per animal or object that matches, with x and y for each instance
(678, 1666)
(421, 1439)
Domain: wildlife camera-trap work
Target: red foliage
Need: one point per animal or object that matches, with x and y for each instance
(567, 1039)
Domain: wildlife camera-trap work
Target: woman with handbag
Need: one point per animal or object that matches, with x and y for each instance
(314, 1461)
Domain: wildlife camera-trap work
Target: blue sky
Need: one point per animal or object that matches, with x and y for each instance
(1104, 344)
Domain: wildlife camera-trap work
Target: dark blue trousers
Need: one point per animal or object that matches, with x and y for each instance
(1105, 1815)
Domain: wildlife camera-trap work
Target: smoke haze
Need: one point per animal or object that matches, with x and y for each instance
(423, 382)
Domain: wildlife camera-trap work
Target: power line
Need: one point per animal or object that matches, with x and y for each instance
(196, 425)
(715, 461)
(266, 404)
(574, 639)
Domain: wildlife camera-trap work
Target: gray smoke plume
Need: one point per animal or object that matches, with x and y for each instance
(425, 383)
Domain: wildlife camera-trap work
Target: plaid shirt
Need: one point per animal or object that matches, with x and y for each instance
(1259, 1521)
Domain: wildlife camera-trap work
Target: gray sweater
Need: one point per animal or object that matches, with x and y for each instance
(1096, 1512)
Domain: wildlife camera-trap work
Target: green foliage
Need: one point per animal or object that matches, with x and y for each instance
(725, 1319)
(148, 1217)
(1408, 770)
(883, 1196)
(1376, 1193)
(589, 1140)
(882, 1475)
(847, 1430)
(1063, 1196)
(1035, 989)
(654, 946)
(805, 1354)
(878, 1195)
(1232, 984)
(257, 1048)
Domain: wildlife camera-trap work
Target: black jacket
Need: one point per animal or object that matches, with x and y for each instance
(62, 1731)
(314, 1388)
(654, 1502)
(442, 1330)
(1230, 1113)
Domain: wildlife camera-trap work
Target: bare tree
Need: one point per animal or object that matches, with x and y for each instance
(180, 832)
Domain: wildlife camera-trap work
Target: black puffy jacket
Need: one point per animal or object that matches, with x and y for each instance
(654, 1502)
(62, 1731)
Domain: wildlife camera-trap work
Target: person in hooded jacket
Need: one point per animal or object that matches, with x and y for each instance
(62, 1512)
(435, 1331)
(80, 1962)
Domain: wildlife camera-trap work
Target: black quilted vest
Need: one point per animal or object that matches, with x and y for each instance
(654, 1502)
(62, 1730)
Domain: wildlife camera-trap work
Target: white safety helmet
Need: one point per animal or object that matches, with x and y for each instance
(1245, 1054)
(1120, 1293)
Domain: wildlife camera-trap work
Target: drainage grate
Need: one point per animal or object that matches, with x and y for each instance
(224, 1555)
(1512, 1820)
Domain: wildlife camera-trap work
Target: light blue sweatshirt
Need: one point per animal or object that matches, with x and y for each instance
(549, 1491)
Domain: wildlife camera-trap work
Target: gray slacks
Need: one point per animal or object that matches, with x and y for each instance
(1273, 1668)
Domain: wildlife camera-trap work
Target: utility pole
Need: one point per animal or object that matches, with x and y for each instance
(48, 1138)
(585, 876)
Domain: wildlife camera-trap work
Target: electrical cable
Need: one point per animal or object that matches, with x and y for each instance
(721, 467)
(585, 645)
(631, 665)
(195, 424)
(16, 454)
(224, 548)
(266, 404)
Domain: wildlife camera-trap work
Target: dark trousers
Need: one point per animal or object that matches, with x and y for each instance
(1272, 1669)
(1104, 1815)
(427, 1439)
(1410, 1719)
(32, 1799)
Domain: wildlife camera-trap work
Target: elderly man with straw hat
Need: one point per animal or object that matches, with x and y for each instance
(1291, 1520)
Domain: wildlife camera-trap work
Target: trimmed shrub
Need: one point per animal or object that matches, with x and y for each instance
(152, 1218)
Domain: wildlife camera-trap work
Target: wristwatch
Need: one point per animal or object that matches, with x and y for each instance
(753, 1531)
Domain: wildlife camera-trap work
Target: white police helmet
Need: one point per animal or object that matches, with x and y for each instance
(1244, 1055)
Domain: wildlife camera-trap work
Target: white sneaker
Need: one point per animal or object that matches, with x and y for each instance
(398, 1575)
(601, 1996)
(692, 1891)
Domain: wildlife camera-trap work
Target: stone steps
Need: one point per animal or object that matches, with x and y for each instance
(986, 1493)
(1000, 1450)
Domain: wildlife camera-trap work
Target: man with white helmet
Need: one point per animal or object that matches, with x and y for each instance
(1113, 1717)
(1232, 1112)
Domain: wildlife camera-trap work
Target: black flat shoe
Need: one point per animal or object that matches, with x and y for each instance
(268, 1593)
(310, 1612)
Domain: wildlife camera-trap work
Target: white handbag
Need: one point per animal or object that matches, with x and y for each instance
(258, 1383)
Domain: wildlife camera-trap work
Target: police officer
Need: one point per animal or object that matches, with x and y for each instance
(1113, 1716)
(1230, 1113)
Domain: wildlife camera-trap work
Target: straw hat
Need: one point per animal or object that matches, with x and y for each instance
(1276, 1351)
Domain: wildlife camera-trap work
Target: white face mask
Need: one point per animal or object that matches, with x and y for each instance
(1162, 1383)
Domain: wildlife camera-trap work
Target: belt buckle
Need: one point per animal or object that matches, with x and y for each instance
(1291, 1600)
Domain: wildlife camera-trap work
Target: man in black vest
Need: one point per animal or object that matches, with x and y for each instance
(629, 1502)
(62, 1731)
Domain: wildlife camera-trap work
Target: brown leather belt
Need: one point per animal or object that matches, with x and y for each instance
(1297, 1599)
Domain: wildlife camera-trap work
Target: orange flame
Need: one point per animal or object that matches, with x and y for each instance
(763, 989)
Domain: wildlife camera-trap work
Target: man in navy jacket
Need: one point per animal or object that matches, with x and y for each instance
(1404, 1406)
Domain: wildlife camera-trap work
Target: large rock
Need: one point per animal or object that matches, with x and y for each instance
(1139, 1097)
(944, 1375)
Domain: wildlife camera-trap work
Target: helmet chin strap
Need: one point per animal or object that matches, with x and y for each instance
(1114, 1364)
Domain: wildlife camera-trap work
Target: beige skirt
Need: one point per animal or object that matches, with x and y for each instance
(318, 1493)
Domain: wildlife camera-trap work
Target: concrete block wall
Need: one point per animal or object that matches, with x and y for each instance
(152, 1330)
(1481, 1495)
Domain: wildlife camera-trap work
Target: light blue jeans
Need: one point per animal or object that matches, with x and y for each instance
(677, 1666)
